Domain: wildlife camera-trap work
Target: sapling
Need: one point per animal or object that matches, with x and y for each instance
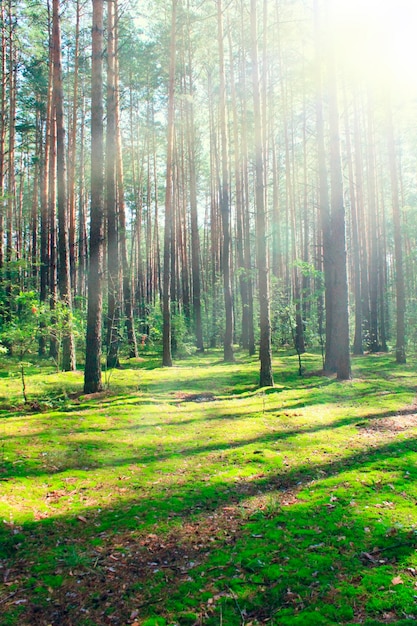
(22, 332)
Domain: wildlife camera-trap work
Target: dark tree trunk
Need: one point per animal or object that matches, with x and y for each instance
(92, 374)
(113, 266)
(64, 278)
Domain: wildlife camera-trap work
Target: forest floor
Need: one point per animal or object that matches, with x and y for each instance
(186, 496)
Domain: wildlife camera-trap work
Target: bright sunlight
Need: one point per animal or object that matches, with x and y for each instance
(377, 40)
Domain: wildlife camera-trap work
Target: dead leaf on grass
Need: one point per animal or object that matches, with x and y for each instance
(397, 580)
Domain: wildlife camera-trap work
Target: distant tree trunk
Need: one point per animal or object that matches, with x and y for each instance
(339, 351)
(166, 305)
(240, 260)
(195, 236)
(52, 202)
(266, 376)
(195, 241)
(362, 223)
(92, 374)
(357, 342)
(246, 220)
(82, 226)
(224, 198)
(64, 278)
(72, 157)
(113, 267)
(126, 274)
(398, 244)
(324, 262)
(374, 339)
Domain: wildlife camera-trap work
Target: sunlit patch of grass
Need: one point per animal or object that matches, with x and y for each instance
(294, 505)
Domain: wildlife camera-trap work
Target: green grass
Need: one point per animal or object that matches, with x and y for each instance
(187, 496)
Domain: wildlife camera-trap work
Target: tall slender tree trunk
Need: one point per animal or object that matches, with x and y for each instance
(3, 87)
(113, 267)
(11, 167)
(64, 277)
(44, 202)
(126, 273)
(374, 338)
(195, 236)
(357, 270)
(324, 308)
(92, 374)
(224, 197)
(239, 195)
(72, 157)
(265, 377)
(168, 269)
(82, 247)
(339, 357)
(400, 355)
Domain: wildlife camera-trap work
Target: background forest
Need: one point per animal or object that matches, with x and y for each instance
(197, 174)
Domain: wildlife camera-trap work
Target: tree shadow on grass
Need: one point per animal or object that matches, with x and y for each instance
(106, 451)
(258, 548)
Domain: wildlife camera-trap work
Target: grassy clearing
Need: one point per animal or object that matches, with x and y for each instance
(186, 496)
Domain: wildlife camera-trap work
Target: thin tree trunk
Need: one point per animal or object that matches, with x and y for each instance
(168, 235)
(400, 355)
(11, 175)
(357, 270)
(113, 268)
(126, 274)
(224, 197)
(265, 355)
(374, 339)
(64, 278)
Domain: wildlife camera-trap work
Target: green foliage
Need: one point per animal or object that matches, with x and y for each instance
(25, 326)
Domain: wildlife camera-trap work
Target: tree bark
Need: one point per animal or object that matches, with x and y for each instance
(64, 277)
(166, 304)
(92, 374)
(400, 355)
(265, 377)
(224, 198)
(113, 266)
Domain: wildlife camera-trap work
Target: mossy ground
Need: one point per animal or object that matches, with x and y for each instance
(186, 496)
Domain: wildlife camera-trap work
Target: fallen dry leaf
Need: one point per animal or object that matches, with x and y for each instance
(397, 580)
